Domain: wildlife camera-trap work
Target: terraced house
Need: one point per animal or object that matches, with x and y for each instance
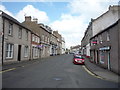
(59, 42)
(26, 41)
(102, 35)
(43, 32)
(53, 43)
(16, 39)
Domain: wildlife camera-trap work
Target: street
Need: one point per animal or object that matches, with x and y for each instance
(53, 72)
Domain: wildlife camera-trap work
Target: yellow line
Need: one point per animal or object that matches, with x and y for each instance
(92, 73)
(7, 70)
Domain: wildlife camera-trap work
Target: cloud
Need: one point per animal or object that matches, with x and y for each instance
(6, 11)
(30, 10)
(90, 8)
(72, 25)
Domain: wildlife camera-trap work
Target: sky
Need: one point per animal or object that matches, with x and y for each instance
(69, 17)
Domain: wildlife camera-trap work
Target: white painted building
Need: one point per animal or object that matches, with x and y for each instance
(88, 49)
(105, 20)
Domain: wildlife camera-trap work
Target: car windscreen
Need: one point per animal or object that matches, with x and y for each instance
(79, 57)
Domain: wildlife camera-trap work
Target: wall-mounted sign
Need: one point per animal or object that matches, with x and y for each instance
(94, 41)
(105, 48)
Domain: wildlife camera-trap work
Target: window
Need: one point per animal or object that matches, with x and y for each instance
(101, 39)
(26, 35)
(36, 51)
(42, 37)
(20, 33)
(102, 57)
(33, 38)
(108, 36)
(26, 51)
(10, 31)
(38, 39)
(9, 50)
(48, 40)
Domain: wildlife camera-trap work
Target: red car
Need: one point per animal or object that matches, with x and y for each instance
(78, 59)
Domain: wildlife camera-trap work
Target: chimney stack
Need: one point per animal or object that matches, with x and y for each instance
(27, 18)
(35, 20)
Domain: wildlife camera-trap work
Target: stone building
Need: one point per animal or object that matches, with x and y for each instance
(16, 42)
(53, 43)
(106, 19)
(59, 42)
(85, 42)
(35, 46)
(43, 32)
(102, 39)
(105, 48)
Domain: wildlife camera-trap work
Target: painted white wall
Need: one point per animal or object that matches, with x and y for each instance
(88, 49)
(105, 20)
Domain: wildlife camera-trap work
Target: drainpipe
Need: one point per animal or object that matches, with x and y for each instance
(3, 41)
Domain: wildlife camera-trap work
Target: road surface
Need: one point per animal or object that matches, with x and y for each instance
(52, 72)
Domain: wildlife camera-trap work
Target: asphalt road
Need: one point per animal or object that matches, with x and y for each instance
(52, 72)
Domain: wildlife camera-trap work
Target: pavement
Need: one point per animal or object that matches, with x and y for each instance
(101, 72)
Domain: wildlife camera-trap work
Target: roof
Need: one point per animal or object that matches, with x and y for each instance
(106, 29)
(74, 47)
(15, 21)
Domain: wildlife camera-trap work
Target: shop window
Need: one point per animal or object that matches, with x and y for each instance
(102, 57)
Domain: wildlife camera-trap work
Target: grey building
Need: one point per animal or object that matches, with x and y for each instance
(59, 42)
(43, 32)
(53, 43)
(35, 46)
(85, 42)
(16, 40)
(105, 48)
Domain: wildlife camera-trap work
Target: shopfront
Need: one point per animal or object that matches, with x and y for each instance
(104, 57)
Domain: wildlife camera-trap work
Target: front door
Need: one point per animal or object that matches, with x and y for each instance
(19, 52)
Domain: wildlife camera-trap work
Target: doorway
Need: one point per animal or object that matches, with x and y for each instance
(19, 52)
(109, 66)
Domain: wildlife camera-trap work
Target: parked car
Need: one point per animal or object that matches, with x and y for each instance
(78, 59)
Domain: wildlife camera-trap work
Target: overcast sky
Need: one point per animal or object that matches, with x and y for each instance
(69, 17)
